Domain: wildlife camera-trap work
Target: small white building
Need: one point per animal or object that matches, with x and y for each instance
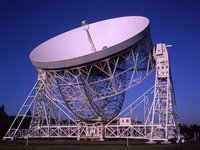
(125, 121)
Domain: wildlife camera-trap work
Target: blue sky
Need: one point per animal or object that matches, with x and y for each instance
(26, 24)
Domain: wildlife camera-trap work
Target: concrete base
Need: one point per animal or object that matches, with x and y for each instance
(166, 142)
(101, 139)
(151, 142)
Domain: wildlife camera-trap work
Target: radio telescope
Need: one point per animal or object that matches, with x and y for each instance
(89, 69)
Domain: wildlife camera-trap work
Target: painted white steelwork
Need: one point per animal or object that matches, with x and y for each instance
(79, 94)
(86, 27)
(159, 122)
(93, 85)
(98, 89)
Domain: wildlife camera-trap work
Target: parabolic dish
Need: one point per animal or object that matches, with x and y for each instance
(73, 48)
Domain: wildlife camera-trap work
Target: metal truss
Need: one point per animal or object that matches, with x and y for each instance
(91, 130)
(163, 116)
(132, 126)
(85, 102)
(160, 120)
(98, 89)
(50, 118)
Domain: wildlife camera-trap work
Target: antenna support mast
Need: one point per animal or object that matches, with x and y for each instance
(86, 27)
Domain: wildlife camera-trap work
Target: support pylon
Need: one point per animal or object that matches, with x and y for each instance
(50, 116)
(163, 113)
(160, 120)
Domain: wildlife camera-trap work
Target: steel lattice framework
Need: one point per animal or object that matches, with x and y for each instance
(160, 118)
(98, 89)
(94, 94)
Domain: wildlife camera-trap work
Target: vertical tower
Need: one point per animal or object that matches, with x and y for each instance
(164, 120)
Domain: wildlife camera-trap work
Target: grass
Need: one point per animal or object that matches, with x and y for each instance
(94, 145)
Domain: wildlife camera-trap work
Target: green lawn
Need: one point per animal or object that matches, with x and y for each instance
(82, 145)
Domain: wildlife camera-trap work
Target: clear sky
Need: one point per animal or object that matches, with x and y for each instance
(24, 24)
